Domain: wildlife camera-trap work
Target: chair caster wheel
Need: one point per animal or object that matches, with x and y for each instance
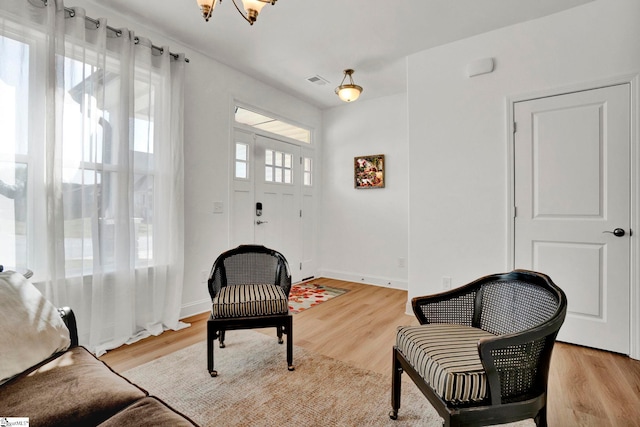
(393, 415)
(291, 368)
(222, 345)
(213, 373)
(280, 340)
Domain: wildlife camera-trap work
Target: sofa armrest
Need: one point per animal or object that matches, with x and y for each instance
(69, 319)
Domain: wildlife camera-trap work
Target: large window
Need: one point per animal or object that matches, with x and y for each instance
(96, 169)
(15, 162)
(92, 169)
(96, 173)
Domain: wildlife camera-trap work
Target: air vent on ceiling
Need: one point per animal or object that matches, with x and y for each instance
(317, 80)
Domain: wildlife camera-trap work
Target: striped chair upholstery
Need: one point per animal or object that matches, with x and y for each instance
(446, 356)
(250, 300)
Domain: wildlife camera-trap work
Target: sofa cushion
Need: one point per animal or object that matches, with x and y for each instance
(71, 389)
(148, 412)
(446, 356)
(31, 329)
(250, 300)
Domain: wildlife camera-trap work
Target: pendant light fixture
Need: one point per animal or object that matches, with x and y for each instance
(351, 91)
(252, 8)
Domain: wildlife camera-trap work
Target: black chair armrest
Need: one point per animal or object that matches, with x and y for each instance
(69, 319)
(453, 306)
(517, 365)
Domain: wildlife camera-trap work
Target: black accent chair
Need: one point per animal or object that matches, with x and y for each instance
(481, 353)
(249, 288)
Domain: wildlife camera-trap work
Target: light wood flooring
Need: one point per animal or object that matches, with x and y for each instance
(587, 387)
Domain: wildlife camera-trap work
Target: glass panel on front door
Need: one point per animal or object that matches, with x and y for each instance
(278, 167)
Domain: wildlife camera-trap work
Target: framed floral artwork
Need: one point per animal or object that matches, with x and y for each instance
(369, 171)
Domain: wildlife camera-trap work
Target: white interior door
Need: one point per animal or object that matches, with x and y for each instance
(572, 190)
(278, 190)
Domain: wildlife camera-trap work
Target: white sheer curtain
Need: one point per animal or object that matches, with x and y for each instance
(91, 169)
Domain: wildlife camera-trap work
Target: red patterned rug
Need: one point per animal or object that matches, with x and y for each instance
(306, 295)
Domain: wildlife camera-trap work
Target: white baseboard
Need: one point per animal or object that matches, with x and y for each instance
(385, 282)
(196, 307)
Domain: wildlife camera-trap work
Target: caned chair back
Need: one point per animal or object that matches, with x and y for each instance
(249, 265)
(510, 305)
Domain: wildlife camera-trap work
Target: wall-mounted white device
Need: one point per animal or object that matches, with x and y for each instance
(480, 66)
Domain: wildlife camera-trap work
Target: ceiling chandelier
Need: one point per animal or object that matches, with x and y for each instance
(351, 91)
(252, 8)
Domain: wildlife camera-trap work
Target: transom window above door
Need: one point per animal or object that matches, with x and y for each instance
(270, 124)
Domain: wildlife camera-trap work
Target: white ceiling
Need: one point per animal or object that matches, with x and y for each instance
(297, 39)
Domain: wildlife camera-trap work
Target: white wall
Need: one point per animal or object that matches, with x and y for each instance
(459, 132)
(364, 232)
(210, 89)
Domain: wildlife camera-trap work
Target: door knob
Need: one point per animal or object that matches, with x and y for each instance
(264, 222)
(618, 232)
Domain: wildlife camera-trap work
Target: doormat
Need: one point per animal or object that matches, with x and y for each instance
(306, 295)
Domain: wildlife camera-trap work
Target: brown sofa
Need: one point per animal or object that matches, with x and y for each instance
(74, 388)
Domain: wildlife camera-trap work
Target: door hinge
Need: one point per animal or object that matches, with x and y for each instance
(515, 211)
(300, 213)
(300, 266)
(515, 127)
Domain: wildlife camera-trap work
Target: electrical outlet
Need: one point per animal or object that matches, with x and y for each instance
(401, 262)
(446, 282)
(204, 276)
(218, 207)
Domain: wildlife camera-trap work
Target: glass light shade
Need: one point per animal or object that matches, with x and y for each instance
(349, 93)
(256, 5)
(206, 6)
(210, 3)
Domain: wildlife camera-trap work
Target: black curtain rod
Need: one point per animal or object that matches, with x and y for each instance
(118, 32)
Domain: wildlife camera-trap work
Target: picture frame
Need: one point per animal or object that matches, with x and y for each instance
(368, 171)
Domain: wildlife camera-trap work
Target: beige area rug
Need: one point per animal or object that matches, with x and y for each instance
(254, 388)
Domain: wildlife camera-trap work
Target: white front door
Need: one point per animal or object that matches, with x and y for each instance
(572, 191)
(277, 191)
